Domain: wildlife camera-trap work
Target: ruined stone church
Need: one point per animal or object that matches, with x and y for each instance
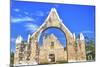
(52, 50)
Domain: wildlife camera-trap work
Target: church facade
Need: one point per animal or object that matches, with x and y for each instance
(52, 51)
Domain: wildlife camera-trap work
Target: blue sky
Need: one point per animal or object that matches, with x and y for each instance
(26, 17)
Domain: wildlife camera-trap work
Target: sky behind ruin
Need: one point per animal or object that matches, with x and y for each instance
(26, 17)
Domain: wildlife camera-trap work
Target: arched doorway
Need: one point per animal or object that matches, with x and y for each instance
(36, 35)
(52, 20)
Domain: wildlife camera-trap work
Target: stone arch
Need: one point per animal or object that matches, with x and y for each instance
(55, 28)
(52, 20)
(60, 26)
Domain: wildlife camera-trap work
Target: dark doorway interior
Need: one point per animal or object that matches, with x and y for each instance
(52, 57)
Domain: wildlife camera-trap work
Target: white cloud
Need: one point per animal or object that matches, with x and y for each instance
(13, 40)
(19, 15)
(31, 27)
(38, 13)
(56, 5)
(87, 31)
(16, 10)
(22, 19)
(26, 13)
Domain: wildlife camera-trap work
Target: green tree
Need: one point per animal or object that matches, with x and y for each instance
(90, 49)
(11, 58)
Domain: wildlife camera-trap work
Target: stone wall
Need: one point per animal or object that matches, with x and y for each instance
(46, 49)
(74, 51)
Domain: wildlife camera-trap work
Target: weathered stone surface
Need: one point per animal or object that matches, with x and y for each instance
(75, 49)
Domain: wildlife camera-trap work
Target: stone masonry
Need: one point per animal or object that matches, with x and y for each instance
(33, 54)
